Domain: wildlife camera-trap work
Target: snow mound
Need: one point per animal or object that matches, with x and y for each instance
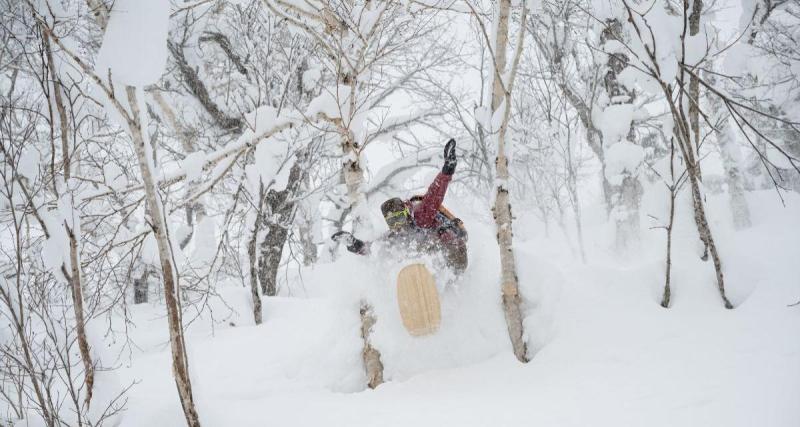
(605, 352)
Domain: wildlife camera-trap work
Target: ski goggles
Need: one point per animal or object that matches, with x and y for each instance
(397, 219)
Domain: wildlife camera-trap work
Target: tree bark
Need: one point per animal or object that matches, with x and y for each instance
(705, 231)
(371, 357)
(501, 96)
(18, 317)
(673, 192)
(200, 92)
(253, 257)
(141, 287)
(270, 257)
(667, 296)
(278, 218)
(694, 81)
(683, 136)
(501, 42)
(74, 277)
(353, 175)
(180, 365)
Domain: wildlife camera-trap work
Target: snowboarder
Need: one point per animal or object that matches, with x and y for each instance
(421, 223)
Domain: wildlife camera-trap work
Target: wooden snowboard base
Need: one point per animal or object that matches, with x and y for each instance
(418, 300)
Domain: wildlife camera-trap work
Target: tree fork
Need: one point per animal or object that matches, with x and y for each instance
(682, 134)
(705, 232)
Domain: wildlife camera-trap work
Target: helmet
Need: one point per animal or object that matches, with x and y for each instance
(396, 213)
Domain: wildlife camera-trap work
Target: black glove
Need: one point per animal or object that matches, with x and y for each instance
(449, 157)
(351, 243)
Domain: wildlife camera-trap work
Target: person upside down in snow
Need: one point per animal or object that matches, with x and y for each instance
(421, 223)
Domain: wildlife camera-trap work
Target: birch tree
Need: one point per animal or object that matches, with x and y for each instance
(355, 39)
(131, 114)
(502, 87)
(677, 97)
(48, 367)
(72, 270)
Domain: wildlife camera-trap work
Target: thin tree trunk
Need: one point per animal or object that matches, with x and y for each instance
(501, 96)
(180, 366)
(80, 322)
(694, 104)
(683, 135)
(501, 42)
(270, 258)
(665, 299)
(353, 175)
(74, 275)
(509, 279)
(694, 81)
(673, 192)
(352, 171)
(141, 287)
(18, 319)
(16, 308)
(705, 231)
(253, 257)
(278, 218)
(371, 357)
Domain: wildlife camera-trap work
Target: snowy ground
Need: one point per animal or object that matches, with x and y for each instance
(606, 353)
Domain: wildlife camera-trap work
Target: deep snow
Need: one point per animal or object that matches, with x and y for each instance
(606, 354)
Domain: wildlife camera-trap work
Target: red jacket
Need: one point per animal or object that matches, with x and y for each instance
(428, 218)
(425, 212)
(426, 215)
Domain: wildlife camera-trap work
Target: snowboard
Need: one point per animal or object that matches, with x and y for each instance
(418, 300)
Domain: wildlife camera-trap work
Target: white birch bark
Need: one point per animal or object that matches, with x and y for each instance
(674, 187)
(694, 81)
(371, 357)
(501, 98)
(682, 132)
(252, 253)
(74, 275)
(180, 364)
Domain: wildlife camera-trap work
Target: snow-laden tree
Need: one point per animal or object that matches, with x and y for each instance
(154, 152)
(55, 156)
